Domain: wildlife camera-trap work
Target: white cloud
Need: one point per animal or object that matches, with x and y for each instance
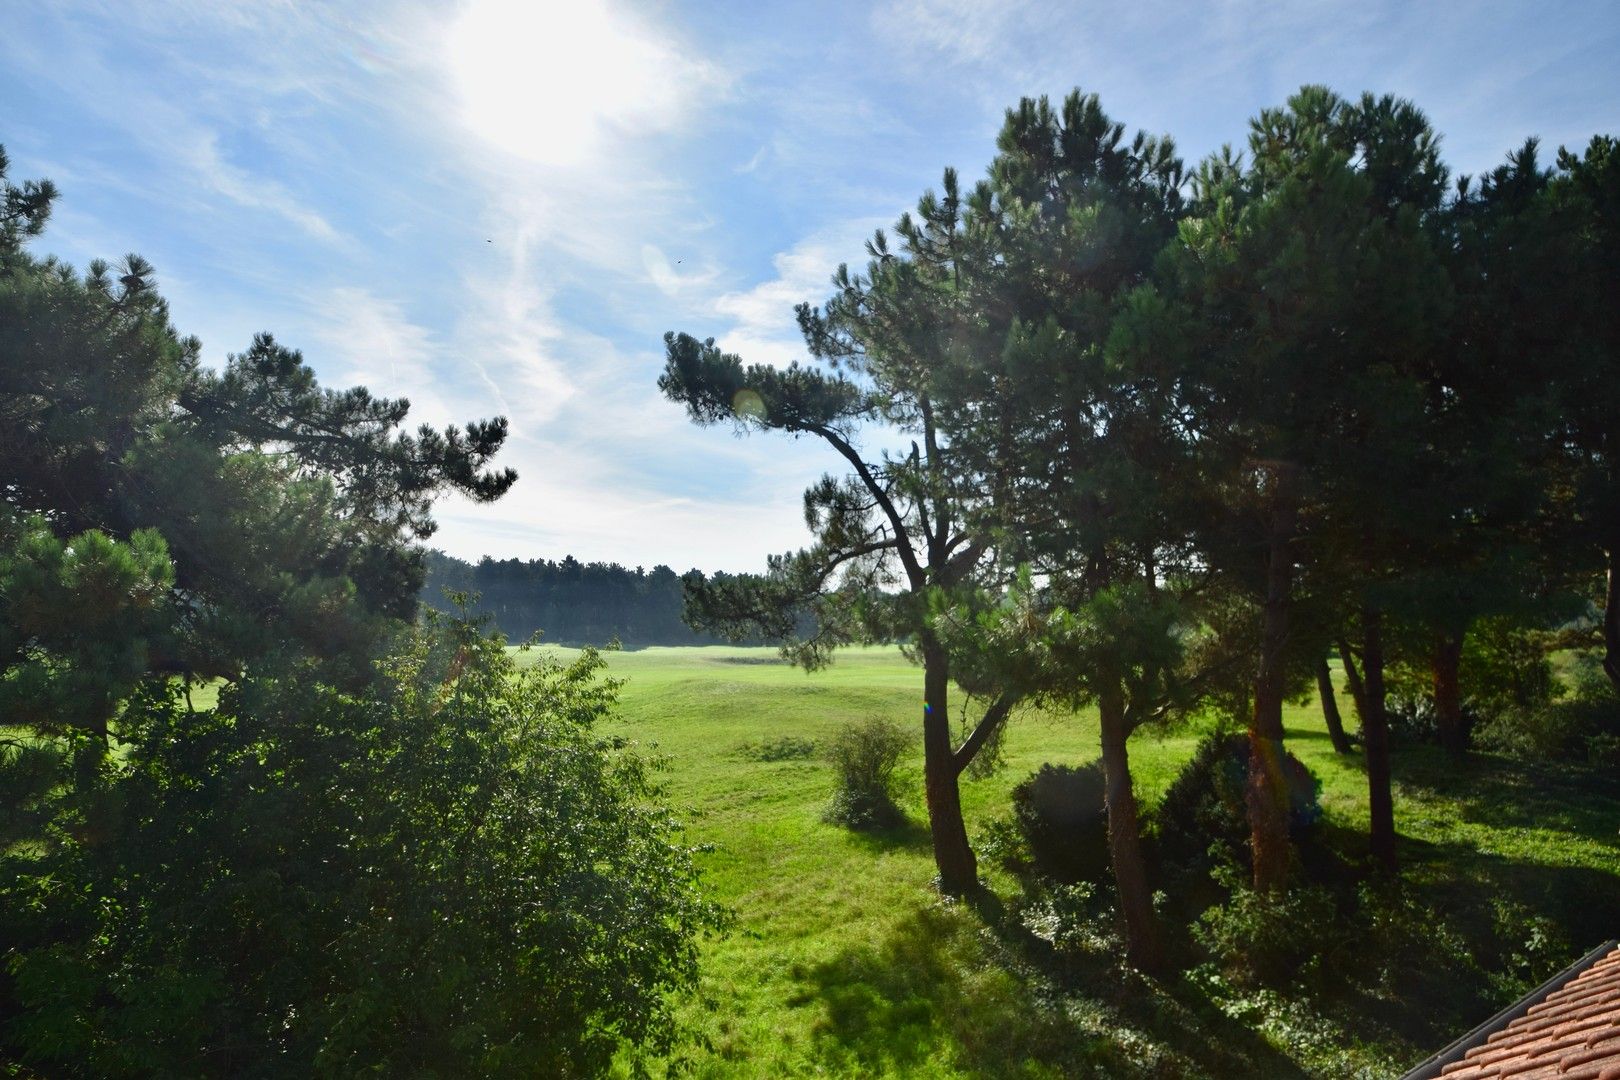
(182, 133)
(549, 514)
(763, 326)
(506, 332)
(670, 281)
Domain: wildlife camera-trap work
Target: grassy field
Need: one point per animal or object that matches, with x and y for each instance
(844, 962)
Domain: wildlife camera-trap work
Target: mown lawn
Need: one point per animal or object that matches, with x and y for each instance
(844, 962)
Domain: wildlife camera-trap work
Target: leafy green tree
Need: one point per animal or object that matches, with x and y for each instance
(890, 537)
(453, 874)
(430, 865)
(1489, 516)
(569, 601)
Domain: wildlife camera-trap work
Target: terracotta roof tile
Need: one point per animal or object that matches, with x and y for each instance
(1568, 1029)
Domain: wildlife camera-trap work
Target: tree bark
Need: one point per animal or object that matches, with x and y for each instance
(1375, 737)
(1142, 944)
(1611, 620)
(1352, 678)
(1267, 794)
(1448, 718)
(1330, 708)
(953, 856)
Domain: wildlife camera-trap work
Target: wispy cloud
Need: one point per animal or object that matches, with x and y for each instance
(369, 339)
(763, 329)
(958, 30)
(200, 150)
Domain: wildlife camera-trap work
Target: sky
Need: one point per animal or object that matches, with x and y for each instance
(497, 207)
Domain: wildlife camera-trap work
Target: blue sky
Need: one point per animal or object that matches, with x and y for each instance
(499, 207)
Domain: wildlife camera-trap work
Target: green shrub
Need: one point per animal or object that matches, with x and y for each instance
(1269, 939)
(1061, 814)
(1378, 937)
(454, 875)
(866, 756)
(1002, 842)
(1205, 804)
(1506, 667)
(1402, 946)
(1582, 726)
(1075, 919)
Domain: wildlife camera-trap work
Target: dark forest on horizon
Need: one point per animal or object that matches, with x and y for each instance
(569, 602)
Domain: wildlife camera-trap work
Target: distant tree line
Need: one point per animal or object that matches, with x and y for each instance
(568, 602)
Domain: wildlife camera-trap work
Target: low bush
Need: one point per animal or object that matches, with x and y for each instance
(1506, 676)
(1061, 814)
(866, 757)
(1377, 936)
(1075, 919)
(1258, 938)
(1205, 805)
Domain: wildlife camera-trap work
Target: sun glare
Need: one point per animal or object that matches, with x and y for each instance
(548, 81)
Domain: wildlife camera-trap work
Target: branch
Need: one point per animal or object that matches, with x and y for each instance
(993, 718)
(845, 556)
(957, 566)
(903, 548)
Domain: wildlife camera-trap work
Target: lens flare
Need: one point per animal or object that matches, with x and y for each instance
(748, 403)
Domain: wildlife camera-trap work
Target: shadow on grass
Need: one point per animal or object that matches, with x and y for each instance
(902, 835)
(1582, 903)
(968, 986)
(944, 989)
(1502, 793)
(1299, 734)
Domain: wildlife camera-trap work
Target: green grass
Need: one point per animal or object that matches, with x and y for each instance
(844, 962)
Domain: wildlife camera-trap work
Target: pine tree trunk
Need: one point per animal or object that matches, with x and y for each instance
(1330, 708)
(1611, 620)
(1352, 678)
(1267, 795)
(1448, 716)
(1142, 943)
(1375, 737)
(958, 870)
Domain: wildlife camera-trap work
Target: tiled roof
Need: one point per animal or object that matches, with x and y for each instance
(1567, 1029)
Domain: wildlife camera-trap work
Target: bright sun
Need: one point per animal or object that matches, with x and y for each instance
(547, 81)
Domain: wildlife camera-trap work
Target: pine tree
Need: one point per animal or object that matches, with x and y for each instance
(1065, 416)
(890, 536)
(1586, 214)
(246, 513)
(1318, 298)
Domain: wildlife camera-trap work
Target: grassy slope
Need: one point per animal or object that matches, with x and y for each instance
(844, 963)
